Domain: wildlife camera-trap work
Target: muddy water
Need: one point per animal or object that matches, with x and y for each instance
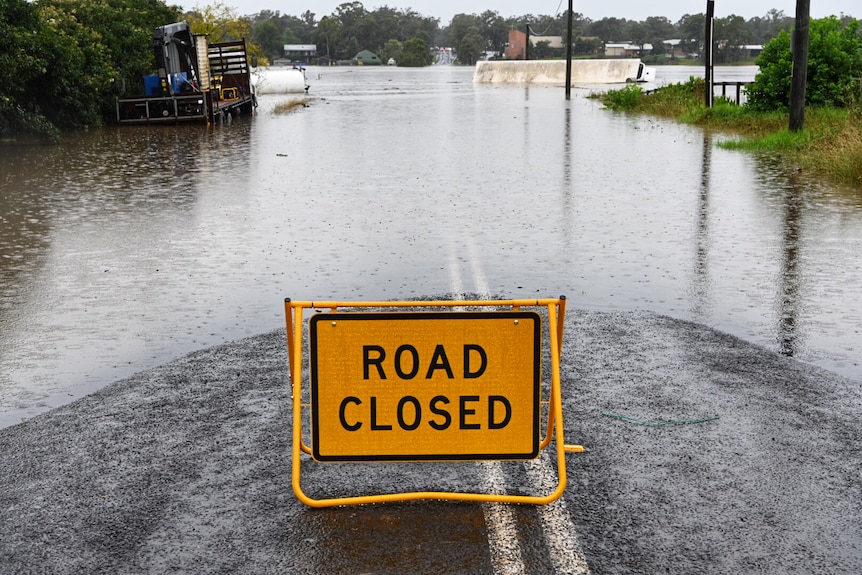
(126, 247)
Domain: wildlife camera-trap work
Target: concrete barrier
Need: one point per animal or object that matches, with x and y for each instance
(554, 71)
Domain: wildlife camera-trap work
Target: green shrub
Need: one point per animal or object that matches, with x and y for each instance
(834, 64)
(624, 99)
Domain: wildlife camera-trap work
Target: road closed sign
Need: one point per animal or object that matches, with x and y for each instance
(405, 386)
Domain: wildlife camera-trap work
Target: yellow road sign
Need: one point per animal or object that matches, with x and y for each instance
(425, 386)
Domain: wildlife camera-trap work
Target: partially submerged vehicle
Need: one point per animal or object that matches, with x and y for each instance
(196, 81)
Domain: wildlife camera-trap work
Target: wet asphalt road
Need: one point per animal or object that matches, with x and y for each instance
(186, 469)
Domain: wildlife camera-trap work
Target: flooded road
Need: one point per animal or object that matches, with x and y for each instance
(126, 247)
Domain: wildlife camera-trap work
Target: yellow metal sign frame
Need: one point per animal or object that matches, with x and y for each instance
(553, 429)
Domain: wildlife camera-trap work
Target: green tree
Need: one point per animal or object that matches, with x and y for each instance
(416, 53)
(608, 29)
(392, 49)
(464, 36)
(78, 72)
(470, 47)
(494, 30)
(834, 64)
(123, 27)
(639, 34)
(583, 46)
(220, 22)
(660, 27)
(691, 29)
(349, 15)
(270, 39)
(22, 63)
(732, 34)
(350, 47)
(94, 47)
(289, 37)
(542, 50)
(766, 28)
(63, 61)
(306, 26)
(328, 31)
(778, 21)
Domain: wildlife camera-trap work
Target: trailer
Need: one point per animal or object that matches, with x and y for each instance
(196, 81)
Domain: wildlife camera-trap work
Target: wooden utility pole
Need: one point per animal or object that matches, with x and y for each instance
(569, 55)
(799, 46)
(707, 51)
(527, 45)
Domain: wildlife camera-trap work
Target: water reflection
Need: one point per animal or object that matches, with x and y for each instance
(701, 281)
(568, 194)
(94, 234)
(817, 242)
(124, 248)
(788, 279)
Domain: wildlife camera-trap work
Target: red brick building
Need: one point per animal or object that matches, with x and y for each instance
(517, 48)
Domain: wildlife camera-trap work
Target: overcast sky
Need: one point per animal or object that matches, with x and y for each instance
(594, 9)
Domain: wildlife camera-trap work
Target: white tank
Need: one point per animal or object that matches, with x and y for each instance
(279, 80)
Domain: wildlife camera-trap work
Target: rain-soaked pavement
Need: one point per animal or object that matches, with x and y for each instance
(186, 468)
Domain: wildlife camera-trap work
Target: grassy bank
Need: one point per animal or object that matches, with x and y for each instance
(830, 145)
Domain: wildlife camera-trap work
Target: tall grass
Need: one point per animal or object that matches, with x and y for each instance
(291, 105)
(830, 145)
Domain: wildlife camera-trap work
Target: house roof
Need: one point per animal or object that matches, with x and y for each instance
(367, 56)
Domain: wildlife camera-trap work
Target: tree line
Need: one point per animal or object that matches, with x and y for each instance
(63, 62)
(351, 27)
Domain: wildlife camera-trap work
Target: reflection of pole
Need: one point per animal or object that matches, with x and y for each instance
(700, 279)
(800, 66)
(788, 288)
(707, 50)
(569, 55)
(568, 192)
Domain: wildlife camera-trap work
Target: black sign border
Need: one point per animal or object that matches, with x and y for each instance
(449, 315)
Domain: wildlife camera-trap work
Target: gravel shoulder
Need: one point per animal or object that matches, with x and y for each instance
(186, 468)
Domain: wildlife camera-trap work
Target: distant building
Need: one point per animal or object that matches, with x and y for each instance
(367, 58)
(553, 41)
(301, 52)
(517, 48)
(588, 45)
(625, 49)
(752, 50)
(674, 47)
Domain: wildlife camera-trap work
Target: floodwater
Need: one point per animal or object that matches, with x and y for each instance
(126, 247)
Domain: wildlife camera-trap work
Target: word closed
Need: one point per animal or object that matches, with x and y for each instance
(425, 386)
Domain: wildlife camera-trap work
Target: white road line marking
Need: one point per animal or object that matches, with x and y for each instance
(478, 272)
(566, 554)
(455, 283)
(567, 557)
(503, 542)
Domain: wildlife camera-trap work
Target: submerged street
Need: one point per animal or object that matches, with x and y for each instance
(145, 410)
